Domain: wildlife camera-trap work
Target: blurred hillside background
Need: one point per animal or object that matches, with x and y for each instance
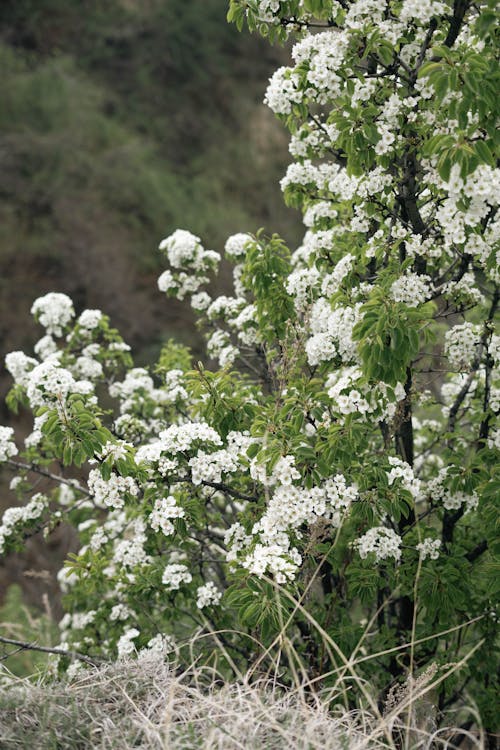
(120, 121)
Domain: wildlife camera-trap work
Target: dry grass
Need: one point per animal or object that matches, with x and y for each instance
(147, 704)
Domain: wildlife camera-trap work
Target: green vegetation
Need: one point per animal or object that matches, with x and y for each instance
(22, 623)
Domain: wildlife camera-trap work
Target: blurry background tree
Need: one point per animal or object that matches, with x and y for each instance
(120, 121)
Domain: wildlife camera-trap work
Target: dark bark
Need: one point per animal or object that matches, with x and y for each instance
(460, 8)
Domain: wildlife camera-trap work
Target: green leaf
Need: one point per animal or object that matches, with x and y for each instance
(484, 153)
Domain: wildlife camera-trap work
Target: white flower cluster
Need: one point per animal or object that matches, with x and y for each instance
(16, 517)
(268, 9)
(200, 301)
(189, 261)
(343, 388)
(224, 307)
(268, 548)
(129, 549)
(438, 492)
(184, 249)
(351, 393)
(77, 620)
(160, 644)
(178, 438)
(181, 437)
(174, 575)
(291, 507)
(115, 451)
(98, 539)
(312, 140)
(164, 510)
(121, 612)
(48, 383)
(479, 192)
(236, 246)
(209, 467)
(331, 281)
(174, 391)
(111, 492)
(281, 560)
(282, 91)
(461, 345)
(403, 471)
(383, 542)
(494, 439)
(87, 367)
(429, 548)
(53, 311)
(132, 428)
(89, 320)
(283, 472)
(332, 332)
(411, 289)
(421, 11)
(316, 214)
(246, 326)
(301, 284)
(219, 347)
(207, 595)
(362, 12)
(19, 365)
(66, 579)
(126, 645)
(138, 394)
(7, 445)
(464, 291)
(46, 348)
(323, 54)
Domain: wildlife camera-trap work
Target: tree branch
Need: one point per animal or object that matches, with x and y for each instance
(216, 486)
(94, 661)
(460, 8)
(45, 473)
(452, 416)
(477, 551)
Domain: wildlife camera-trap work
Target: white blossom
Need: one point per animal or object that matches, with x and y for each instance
(429, 548)
(89, 319)
(207, 595)
(46, 347)
(236, 244)
(403, 471)
(19, 366)
(384, 542)
(164, 510)
(461, 344)
(412, 289)
(53, 311)
(111, 492)
(174, 575)
(125, 645)
(7, 445)
(159, 644)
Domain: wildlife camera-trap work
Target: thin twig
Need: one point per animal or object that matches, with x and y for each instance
(94, 661)
(45, 473)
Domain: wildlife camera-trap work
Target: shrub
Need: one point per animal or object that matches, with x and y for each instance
(330, 482)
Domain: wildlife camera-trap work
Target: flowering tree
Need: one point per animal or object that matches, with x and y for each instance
(335, 476)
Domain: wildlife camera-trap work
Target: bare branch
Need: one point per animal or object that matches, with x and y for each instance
(20, 465)
(94, 661)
